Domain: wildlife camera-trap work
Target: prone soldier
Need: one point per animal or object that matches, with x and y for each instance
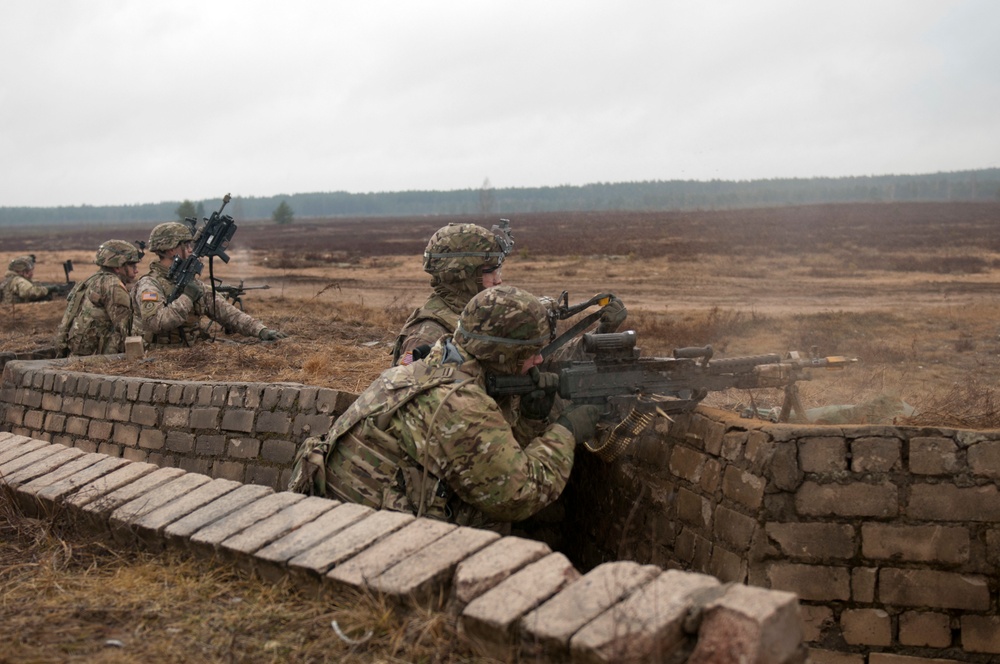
(98, 314)
(178, 322)
(18, 287)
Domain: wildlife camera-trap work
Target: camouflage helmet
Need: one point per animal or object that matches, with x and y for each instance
(457, 251)
(21, 264)
(502, 327)
(117, 253)
(165, 237)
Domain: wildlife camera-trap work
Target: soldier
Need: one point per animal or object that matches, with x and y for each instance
(462, 259)
(99, 313)
(178, 323)
(17, 286)
(426, 438)
(465, 259)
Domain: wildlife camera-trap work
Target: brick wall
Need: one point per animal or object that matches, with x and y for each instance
(889, 535)
(246, 432)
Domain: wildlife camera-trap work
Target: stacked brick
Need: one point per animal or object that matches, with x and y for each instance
(246, 432)
(513, 597)
(890, 536)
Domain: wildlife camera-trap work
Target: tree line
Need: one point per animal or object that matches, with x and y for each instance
(973, 185)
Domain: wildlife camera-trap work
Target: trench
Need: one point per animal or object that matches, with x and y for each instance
(889, 536)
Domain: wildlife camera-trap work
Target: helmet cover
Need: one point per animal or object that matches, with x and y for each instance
(456, 251)
(502, 327)
(165, 237)
(21, 264)
(117, 253)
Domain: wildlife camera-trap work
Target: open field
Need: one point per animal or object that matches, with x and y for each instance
(909, 289)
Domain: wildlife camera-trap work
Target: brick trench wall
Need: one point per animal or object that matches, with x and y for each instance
(174, 463)
(246, 432)
(889, 535)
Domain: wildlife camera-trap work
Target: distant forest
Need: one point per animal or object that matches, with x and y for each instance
(976, 185)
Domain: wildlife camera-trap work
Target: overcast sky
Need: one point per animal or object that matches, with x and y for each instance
(121, 102)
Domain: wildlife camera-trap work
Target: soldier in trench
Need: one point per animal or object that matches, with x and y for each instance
(463, 260)
(426, 438)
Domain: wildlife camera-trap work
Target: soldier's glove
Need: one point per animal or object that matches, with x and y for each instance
(267, 334)
(612, 315)
(581, 421)
(420, 352)
(193, 290)
(535, 405)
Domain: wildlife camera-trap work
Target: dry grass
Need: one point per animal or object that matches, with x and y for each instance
(26, 327)
(343, 347)
(69, 598)
(941, 361)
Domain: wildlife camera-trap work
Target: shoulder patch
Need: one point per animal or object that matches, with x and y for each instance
(150, 296)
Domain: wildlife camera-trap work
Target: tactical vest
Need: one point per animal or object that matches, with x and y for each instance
(183, 335)
(359, 462)
(435, 310)
(97, 330)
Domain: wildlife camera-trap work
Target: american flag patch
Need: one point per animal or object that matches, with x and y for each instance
(406, 359)
(150, 296)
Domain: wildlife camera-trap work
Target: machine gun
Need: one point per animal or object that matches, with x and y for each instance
(210, 242)
(636, 388)
(63, 289)
(235, 293)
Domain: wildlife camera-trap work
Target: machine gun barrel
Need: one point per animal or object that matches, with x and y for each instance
(617, 373)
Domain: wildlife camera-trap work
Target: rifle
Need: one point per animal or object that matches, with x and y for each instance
(235, 293)
(635, 388)
(210, 242)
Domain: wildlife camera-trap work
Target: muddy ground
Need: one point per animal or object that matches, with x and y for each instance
(911, 290)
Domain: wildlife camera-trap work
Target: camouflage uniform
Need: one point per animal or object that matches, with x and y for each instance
(426, 438)
(15, 288)
(178, 323)
(456, 257)
(99, 311)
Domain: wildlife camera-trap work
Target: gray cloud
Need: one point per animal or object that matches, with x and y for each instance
(111, 102)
